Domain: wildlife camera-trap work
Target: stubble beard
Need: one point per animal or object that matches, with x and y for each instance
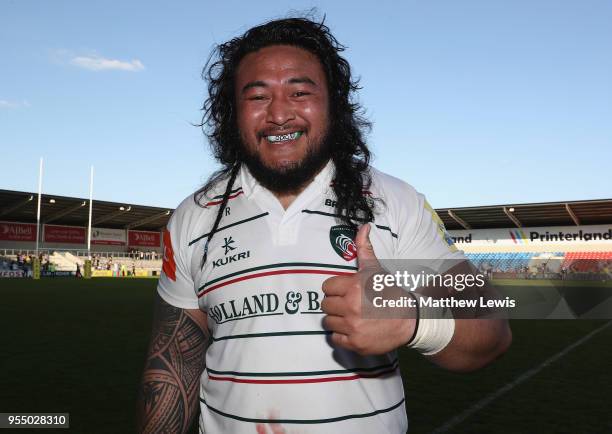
(291, 177)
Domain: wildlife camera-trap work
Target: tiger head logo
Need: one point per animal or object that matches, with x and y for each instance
(342, 240)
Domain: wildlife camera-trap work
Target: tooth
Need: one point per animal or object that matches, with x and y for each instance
(283, 137)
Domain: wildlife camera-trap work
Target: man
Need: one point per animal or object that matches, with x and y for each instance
(259, 317)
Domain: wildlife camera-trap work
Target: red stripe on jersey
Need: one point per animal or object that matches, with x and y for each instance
(231, 196)
(272, 273)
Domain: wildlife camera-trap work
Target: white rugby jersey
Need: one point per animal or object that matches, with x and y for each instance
(270, 359)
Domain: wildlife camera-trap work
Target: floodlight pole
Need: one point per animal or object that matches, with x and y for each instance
(40, 175)
(91, 176)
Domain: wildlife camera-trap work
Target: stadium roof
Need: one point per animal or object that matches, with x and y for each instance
(21, 207)
(61, 210)
(574, 213)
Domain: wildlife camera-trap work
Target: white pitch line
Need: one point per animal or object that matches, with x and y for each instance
(520, 379)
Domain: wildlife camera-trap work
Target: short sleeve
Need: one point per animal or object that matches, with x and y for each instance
(176, 285)
(424, 235)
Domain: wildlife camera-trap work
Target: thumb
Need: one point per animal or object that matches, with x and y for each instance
(365, 251)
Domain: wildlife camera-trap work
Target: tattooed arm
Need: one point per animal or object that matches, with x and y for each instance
(170, 384)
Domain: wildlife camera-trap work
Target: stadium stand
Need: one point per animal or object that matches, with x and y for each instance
(500, 261)
(62, 263)
(588, 262)
(508, 245)
(520, 261)
(138, 228)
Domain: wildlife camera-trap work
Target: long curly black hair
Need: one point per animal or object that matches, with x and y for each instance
(346, 135)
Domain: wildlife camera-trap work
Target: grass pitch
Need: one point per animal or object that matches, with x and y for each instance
(78, 346)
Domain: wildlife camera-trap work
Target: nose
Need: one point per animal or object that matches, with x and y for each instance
(280, 111)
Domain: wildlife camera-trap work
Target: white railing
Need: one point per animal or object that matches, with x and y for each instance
(82, 254)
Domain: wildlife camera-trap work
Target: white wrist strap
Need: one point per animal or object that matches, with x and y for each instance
(435, 329)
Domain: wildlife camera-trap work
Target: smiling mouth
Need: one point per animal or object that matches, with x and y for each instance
(284, 137)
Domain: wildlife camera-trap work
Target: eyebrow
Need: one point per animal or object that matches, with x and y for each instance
(294, 80)
(299, 80)
(251, 84)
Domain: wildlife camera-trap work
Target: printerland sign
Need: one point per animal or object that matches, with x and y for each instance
(594, 234)
(144, 239)
(10, 231)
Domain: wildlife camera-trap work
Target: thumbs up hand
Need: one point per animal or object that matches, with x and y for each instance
(343, 305)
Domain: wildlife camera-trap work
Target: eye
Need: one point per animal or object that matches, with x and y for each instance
(300, 93)
(256, 98)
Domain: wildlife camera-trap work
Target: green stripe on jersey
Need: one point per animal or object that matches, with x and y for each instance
(219, 229)
(384, 228)
(265, 335)
(302, 421)
(220, 196)
(303, 374)
(279, 265)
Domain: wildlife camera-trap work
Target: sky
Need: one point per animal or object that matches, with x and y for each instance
(473, 102)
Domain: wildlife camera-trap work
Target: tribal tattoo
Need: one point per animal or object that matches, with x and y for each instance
(170, 384)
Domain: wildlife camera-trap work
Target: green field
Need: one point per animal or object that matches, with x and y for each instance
(78, 346)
